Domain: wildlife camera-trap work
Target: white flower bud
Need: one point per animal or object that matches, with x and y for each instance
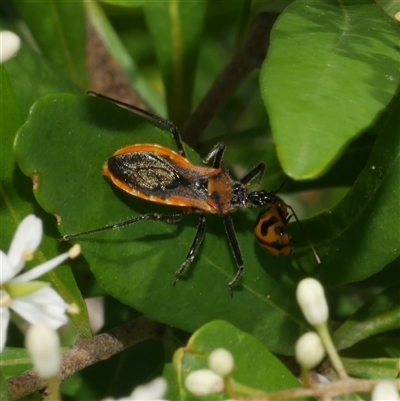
(385, 390)
(43, 346)
(10, 44)
(74, 251)
(311, 298)
(73, 309)
(309, 350)
(153, 390)
(221, 362)
(204, 382)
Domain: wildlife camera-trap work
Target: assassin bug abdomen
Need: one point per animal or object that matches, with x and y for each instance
(161, 175)
(158, 174)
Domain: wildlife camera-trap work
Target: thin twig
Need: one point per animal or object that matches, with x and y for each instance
(333, 389)
(249, 56)
(88, 352)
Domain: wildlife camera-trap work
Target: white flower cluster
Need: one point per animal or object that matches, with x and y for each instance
(153, 391)
(33, 300)
(311, 347)
(200, 382)
(385, 391)
(311, 298)
(10, 44)
(211, 381)
(43, 346)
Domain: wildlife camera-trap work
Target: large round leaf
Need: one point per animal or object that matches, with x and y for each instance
(17, 202)
(256, 368)
(331, 68)
(65, 143)
(63, 146)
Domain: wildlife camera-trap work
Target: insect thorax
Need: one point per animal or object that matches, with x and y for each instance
(239, 196)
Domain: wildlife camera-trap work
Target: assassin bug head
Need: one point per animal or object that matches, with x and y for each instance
(263, 198)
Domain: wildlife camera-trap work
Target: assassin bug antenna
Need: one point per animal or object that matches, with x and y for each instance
(158, 174)
(305, 235)
(300, 225)
(150, 116)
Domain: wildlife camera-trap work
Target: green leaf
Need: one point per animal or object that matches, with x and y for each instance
(361, 234)
(380, 314)
(58, 28)
(390, 6)
(376, 369)
(78, 387)
(176, 28)
(136, 264)
(124, 3)
(246, 149)
(17, 202)
(32, 76)
(331, 68)
(66, 141)
(14, 361)
(4, 392)
(255, 366)
(116, 48)
(173, 388)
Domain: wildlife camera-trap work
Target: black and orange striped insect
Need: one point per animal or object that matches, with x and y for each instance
(161, 175)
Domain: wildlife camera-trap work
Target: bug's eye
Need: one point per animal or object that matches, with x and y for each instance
(280, 230)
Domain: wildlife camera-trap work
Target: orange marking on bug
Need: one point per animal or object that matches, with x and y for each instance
(270, 229)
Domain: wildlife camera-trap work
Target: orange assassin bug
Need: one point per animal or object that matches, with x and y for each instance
(161, 175)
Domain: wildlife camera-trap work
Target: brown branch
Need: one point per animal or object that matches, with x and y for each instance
(86, 352)
(323, 390)
(106, 76)
(249, 56)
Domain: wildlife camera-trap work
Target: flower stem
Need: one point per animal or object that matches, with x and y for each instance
(326, 339)
(53, 389)
(305, 375)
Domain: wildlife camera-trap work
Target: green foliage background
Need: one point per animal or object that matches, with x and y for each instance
(323, 110)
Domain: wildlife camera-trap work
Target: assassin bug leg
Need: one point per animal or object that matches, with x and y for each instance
(168, 218)
(257, 171)
(237, 253)
(198, 239)
(218, 152)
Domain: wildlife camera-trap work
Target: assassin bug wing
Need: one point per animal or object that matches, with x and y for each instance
(145, 171)
(160, 175)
